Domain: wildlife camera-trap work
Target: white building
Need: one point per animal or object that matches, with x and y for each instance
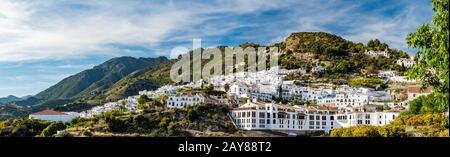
(181, 100)
(371, 53)
(318, 69)
(260, 91)
(130, 103)
(346, 97)
(51, 115)
(374, 54)
(402, 79)
(407, 63)
(387, 74)
(277, 117)
(354, 99)
(167, 89)
(366, 118)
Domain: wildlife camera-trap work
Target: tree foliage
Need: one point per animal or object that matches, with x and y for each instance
(432, 55)
(52, 129)
(365, 82)
(427, 104)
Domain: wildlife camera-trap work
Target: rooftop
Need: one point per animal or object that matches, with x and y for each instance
(48, 112)
(416, 89)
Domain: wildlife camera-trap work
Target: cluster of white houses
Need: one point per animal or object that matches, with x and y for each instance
(129, 104)
(405, 62)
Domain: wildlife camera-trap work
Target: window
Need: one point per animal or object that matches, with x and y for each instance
(311, 117)
(317, 117)
(261, 115)
(324, 117)
(332, 118)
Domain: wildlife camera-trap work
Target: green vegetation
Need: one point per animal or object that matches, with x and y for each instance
(22, 127)
(52, 129)
(142, 100)
(422, 125)
(369, 131)
(343, 58)
(432, 44)
(365, 82)
(427, 104)
(375, 44)
(156, 121)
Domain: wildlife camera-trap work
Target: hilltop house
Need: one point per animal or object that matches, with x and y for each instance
(407, 63)
(374, 54)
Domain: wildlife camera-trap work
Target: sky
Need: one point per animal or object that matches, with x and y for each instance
(42, 42)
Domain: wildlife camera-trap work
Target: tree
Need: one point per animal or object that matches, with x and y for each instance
(52, 129)
(226, 87)
(432, 55)
(142, 100)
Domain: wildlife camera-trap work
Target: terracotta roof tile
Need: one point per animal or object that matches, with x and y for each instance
(416, 89)
(48, 112)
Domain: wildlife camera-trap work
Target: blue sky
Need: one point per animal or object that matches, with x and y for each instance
(42, 42)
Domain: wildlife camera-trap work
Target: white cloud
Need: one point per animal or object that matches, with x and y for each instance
(57, 30)
(29, 34)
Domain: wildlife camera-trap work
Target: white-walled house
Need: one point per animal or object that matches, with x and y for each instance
(407, 63)
(371, 53)
(239, 90)
(260, 91)
(366, 118)
(342, 100)
(181, 100)
(375, 54)
(318, 69)
(387, 74)
(50, 115)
